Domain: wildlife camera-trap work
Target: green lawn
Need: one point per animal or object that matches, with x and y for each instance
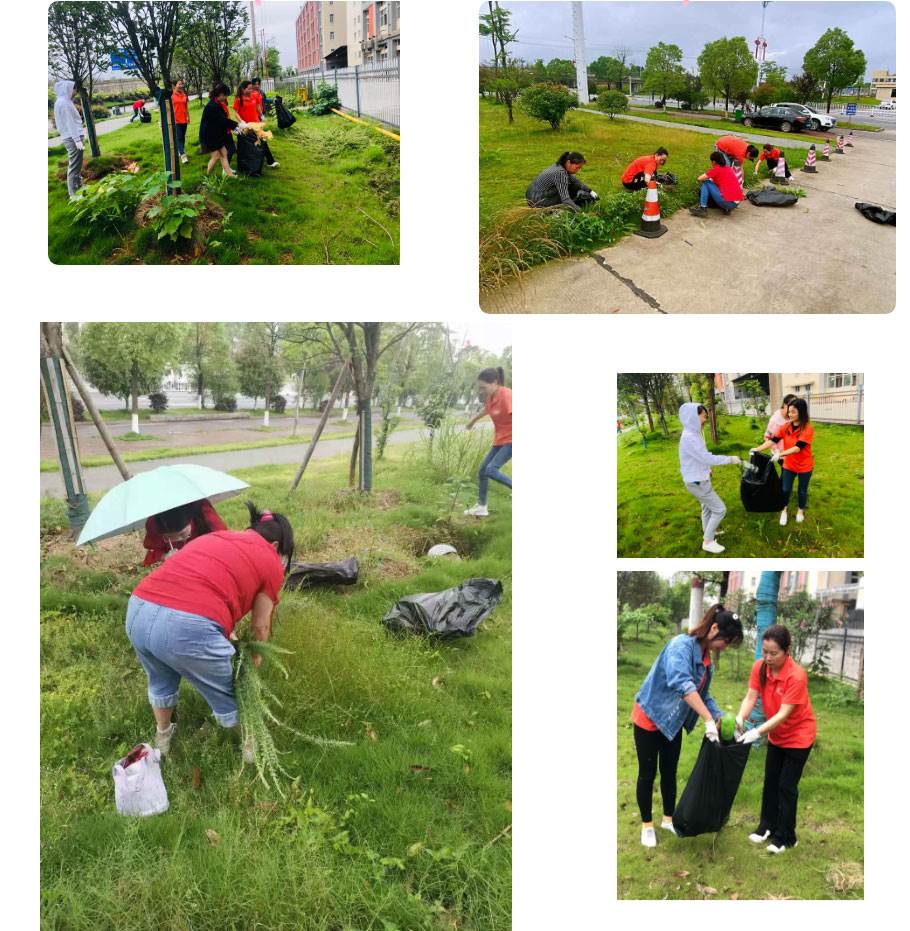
(657, 517)
(827, 864)
(409, 829)
(333, 200)
(515, 237)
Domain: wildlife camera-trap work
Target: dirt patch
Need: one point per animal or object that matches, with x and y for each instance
(845, 877)
(121, 554)
(210, 219)
(467, 541)
(97, 168)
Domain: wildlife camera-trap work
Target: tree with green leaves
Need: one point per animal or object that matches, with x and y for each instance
(609, 69)
(128, 360)
(561, 71)
(728, 67)
(804, 88)
(664, 74)
(495, 25)
(752, 389)
(539, 72)
(76, 52)
(548, 102)
(692, 97)
(211, 34)
(834, 63)
(612, 102)
(207, 352)
(637, 589)
(508, 86)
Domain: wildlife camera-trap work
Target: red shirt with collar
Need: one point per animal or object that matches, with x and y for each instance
(789, 686)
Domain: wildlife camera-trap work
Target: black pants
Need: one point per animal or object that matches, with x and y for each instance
(783, 769)
(269, 158)
(637, 183)
(653, 748)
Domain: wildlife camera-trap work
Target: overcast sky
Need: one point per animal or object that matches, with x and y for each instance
(545, 29)
(277, 18)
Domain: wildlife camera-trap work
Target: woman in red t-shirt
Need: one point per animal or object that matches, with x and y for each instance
(795, 455)
(498, 407)
(167, 532)
(246, 106)
(782, 686)
(181, 616)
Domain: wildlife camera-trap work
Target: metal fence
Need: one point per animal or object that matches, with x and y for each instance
(840, 405)
(371, 90)
(842, 651)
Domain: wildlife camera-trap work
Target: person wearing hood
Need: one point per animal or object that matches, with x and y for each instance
(695, 464)
(69, 124)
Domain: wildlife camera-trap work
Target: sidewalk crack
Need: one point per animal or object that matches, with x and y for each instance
(638, 292)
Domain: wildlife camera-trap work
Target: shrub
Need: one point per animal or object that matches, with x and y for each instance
(175, 215)
(278, 403)
(455, 453)
(613, 102)
(114, 196)
(226, 403)
(158, 400)
(325, 99)
(548, 102)
(78, 408)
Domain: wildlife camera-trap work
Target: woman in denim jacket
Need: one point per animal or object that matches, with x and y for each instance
(674, 695)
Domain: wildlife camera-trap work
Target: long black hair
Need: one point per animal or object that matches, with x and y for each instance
(220, 89)
(174, 520)
(781, 636)
(802, 409)
(275, 528)
(788, 400)
(241, 87)
(729, 626)
(575, 157)
(491, 375)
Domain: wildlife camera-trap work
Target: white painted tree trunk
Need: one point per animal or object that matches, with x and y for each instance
(265, 418)
(134, 423)
(344, 415)
(696, 601)
(201, 400)
(399, 411)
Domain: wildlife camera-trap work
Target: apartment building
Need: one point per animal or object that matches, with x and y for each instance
(374, 31)
(833, 397)
(884, 85)
(842, 590)
(322, 31)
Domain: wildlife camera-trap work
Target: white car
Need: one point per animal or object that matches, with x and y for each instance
(888, 105)
(815, 120)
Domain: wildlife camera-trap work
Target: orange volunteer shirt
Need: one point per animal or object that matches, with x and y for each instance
(789, 687)
(803, 460)
(647, 164)
(733, 146)
(774, 153)
(181, 108)
(499, 407)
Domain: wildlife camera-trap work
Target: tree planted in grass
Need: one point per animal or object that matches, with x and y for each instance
(664, 74)
(508, 86)
(804, 88)
(609, 69)
(213, 32)
(612, 102)
(727, 67)
(207, 352)
(548, 102)
(834, 63)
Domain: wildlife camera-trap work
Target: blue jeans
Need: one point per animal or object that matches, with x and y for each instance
(802, 494)
(180, 134)
(710, 189)
(494, 460)
(174, 644)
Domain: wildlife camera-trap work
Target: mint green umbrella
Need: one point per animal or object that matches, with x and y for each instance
(127, 506)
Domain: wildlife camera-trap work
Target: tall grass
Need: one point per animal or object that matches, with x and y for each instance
(454, 453)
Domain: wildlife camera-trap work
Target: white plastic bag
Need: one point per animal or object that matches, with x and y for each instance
(138, 786)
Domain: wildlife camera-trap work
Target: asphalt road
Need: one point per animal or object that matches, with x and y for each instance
(102, 478)
(818, 256)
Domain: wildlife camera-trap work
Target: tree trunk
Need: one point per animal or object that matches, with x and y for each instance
(696, 601)
(765, 616)
(352, 466)
(89, 122)
(134, 396)
(712, 407)
(366, 446)
(644, 397)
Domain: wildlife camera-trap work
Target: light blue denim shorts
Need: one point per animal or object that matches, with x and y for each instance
(174, 644)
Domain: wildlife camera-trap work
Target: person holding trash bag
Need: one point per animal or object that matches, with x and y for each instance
(771, 154)
(695, 465)
(674, 695)
(720, 185)
(795, 457)
(249, 110)
(138, 107)
(640, 171)
(498, 407)
(169, 531)
(181, 616)
(215, 129)
(68, 121)
(778, 421)
(783, 687)
(181, 102)
(557, 185)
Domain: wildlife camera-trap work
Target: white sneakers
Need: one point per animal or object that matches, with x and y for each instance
(712, 547)
(184, 159)
(479, 510)
(783, 518)
(668, 826)
(800, 517)
(648, 837)
(771, 848)
(758, 838)
(275, 165)
(163, 738)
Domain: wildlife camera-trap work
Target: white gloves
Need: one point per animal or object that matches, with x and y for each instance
(711, 731)
(594, 195)
(241, 125)
(753, 450)
(775, 456)
(735, 460)
(80, 145)
(749, 737)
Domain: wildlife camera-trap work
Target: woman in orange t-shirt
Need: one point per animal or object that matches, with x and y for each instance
(782, 686)
(498, 407)
(180, 100)
(795, 455)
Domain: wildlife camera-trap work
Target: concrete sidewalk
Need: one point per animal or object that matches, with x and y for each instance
(818, 256)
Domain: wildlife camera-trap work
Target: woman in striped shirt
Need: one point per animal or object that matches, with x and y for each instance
(557, 185)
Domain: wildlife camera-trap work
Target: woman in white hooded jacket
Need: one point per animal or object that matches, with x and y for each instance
(695, 464)
(69, 124)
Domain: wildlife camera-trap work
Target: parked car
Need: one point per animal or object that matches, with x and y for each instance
(888, 105)
(815, 119)
(786, 119)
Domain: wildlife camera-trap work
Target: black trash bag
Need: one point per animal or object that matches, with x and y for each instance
(760, 488)
(705, 803)
(455, 612)
(665, 177)
(877, 214)
(771, 197)
(311, 574)
(250, 156)
(285, 117)
(145, 116)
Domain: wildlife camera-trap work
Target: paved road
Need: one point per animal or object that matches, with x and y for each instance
(104, 477)
(818, 256)
(104, 127)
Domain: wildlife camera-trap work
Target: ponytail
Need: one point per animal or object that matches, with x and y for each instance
(729, 626)
(491, 375)
(575, 157)
(274, 528)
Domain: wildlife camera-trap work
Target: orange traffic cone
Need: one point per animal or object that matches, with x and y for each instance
(809, 167)
(826, 151)
(849, 142)
(840, 145)
(651, 226)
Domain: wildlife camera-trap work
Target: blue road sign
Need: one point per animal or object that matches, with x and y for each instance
(122, 61)
(851, 109)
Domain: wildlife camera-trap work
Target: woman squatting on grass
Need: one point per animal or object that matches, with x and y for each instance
(215, 129)
(558, 186)
(783, 688)
(498, 407)
(795, 455)
(181, 616)
(695, 465)
(674, 695)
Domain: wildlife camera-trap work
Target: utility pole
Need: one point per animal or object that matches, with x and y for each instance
(761, 44)
(696, 601)
(253, 29)
(581, 61)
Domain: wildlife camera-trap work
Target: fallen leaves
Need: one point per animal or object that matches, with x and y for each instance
(371, 733)
(706, 890)
(213, 836)
(197, 777)
(437, 682)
